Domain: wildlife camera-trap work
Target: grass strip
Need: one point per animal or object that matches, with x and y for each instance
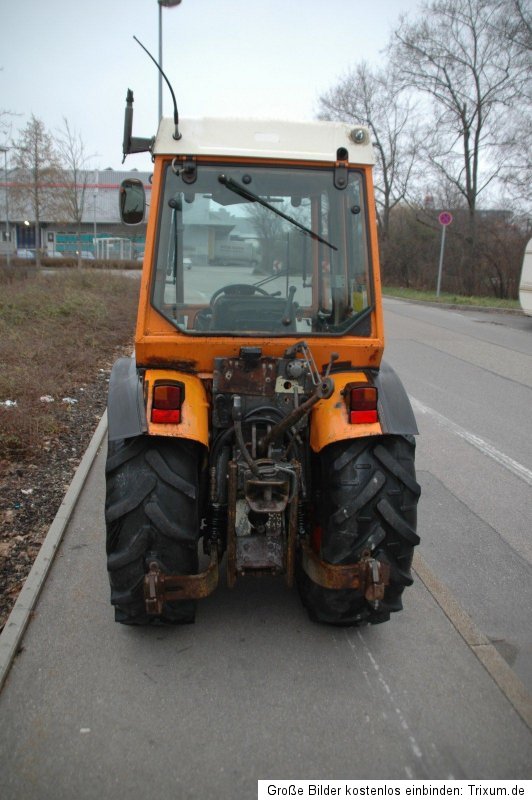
(449, 299)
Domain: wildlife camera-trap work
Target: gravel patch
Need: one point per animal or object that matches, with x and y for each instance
(32, 491)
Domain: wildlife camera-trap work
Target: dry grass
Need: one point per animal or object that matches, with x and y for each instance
(56, 332)
(447, 298)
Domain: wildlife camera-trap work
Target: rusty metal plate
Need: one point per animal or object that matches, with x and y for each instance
(259, 552)
(256, 379)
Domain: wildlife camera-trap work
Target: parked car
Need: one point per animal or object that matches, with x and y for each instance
(26, 253)
(525, 285)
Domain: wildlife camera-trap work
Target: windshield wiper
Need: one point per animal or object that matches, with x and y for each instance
(236, 187)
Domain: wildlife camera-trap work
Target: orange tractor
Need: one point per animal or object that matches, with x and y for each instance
(256, 416)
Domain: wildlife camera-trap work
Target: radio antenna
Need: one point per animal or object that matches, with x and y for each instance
(176, 133)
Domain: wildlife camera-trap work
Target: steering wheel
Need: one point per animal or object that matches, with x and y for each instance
(238, 290)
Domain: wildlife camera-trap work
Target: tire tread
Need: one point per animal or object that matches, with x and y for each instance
(152, 511)
(367, 500)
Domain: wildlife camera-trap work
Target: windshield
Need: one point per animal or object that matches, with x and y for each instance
(253, 249)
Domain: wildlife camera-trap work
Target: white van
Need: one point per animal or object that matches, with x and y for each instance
(525, 286)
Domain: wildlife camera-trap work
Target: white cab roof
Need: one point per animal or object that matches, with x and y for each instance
(251, 138)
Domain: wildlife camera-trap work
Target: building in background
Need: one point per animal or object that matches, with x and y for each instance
(215, 235)
(100, 232)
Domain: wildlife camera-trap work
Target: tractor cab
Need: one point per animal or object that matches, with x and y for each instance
(275, 249)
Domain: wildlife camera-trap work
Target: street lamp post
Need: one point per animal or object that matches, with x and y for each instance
(166, 4)
(4, 150)
(94, 197)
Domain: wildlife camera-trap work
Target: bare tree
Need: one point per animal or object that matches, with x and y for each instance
(37, 172)
(516, 27)
(269, 229)
(455, 54)
(73, 190)
(371, 97)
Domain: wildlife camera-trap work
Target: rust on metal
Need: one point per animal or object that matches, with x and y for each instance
(160, 588)
(233, 376)
(367, 575)
(261, 552)
(266, 494)
(323, 391)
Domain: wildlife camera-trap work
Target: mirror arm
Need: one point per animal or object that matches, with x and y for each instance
(133, 144)
(140, 145)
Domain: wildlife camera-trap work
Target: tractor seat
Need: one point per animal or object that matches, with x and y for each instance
(249, 313)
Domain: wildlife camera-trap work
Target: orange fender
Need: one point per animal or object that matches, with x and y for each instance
(194, 409)
(329, 420)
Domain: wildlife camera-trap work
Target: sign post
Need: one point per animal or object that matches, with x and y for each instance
(445, 218)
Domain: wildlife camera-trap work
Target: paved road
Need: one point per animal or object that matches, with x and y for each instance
(254, 690)
(470, 377)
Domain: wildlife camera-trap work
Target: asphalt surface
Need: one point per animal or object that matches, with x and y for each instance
(255, 690)
(470, 377)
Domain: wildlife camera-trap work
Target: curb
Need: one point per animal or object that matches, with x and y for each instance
(488, 655)
(17, 621)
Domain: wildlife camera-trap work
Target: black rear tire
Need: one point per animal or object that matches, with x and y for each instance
(367, 501)
(152, 514)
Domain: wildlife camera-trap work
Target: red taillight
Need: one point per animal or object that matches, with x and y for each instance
(363, 405)
(166, 404)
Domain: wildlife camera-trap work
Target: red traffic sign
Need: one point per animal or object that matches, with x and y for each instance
(445, 218)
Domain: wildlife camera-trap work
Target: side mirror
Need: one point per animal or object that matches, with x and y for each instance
(132, 201)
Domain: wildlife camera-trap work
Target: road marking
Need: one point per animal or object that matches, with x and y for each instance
(414, 746)
(476, 441)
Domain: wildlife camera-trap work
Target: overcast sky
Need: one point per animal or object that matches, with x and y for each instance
(257, 58)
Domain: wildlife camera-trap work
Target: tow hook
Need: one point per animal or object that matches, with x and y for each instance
(160, 588)
(367, 575)
(376, 575)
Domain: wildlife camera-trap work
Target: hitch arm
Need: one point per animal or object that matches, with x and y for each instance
(160, 588)
(367, 575)
(323, 390)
